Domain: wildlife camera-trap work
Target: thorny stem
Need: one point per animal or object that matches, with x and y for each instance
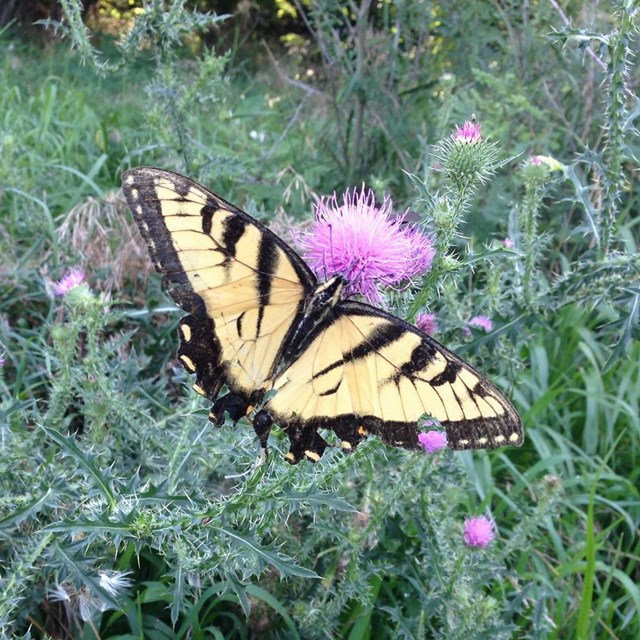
(619, 51)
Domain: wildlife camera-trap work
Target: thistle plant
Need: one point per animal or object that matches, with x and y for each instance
(175, 97)
(526, 237)
(15, 583)
(432, 441)
(427, 322)
(82, 391)
(618, 116)
(479, 531)
(121, 479)
(466, 160)
(617, 49)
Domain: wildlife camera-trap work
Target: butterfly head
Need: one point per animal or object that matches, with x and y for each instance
(324, 298)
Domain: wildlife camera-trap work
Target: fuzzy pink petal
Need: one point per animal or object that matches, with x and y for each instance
(71, 280)
(365, 244)
(433, 441)
(479, 531)
(427, 323)
(482, 322)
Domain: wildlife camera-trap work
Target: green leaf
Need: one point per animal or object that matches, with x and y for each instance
(260, 594)
(68, 444)
(285, 565)
(26, 512)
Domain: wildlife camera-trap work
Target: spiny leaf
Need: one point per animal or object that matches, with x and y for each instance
(68, 444)
(285, 565)
(26, 512)
(84, 577)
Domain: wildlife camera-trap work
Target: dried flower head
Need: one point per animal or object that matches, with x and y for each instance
(481, 322)
(366, 244)
(113, 582)
(432, 441)
(427, 322)
(479, 531)
(88, 604)
(85, 602)
(74, 278)
(60, 593)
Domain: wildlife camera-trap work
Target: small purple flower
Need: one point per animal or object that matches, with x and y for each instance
(479, 531)
(2, 361)
(427, 322)
(432, 441)
(365, 243)
(507, 243)
(535, 160)
(468, 133)
(71, 280)
(481, 322)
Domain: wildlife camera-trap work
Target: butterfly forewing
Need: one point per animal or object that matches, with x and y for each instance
(225, 269)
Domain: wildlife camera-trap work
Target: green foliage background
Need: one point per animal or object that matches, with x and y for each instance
(106, 457)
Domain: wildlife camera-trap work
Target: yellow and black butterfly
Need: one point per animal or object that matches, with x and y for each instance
(261, 324)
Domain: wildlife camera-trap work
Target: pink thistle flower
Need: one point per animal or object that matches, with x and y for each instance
(427, 322)
(535, 160)
(432, 441)
(74, 278)
(2, 361)
(469, 133)
(507, 243)
(366, 244)
(482, 322)
(479, 531)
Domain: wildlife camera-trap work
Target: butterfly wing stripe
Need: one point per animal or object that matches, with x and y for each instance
(175, 182)
(381, 337)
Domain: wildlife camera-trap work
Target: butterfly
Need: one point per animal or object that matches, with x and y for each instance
(289, 349)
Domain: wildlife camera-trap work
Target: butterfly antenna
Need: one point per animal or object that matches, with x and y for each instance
(324, 262)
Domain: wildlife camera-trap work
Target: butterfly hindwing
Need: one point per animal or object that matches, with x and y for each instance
(242, 286)
(368, 372)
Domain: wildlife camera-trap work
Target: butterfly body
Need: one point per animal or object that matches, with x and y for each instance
(260, 324)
